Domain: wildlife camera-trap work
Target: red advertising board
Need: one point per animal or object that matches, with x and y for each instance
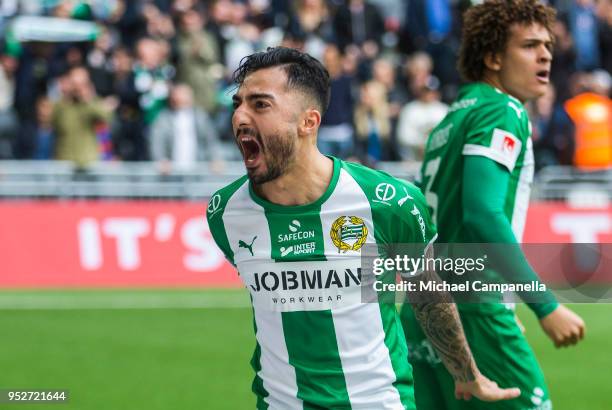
(109, 244)
(168, 244)
(555, 222)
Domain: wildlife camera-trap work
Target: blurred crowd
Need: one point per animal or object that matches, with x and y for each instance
(151, 79)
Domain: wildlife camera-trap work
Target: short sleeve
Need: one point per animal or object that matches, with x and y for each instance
(214, 217)
(499, 132)
(417, 225)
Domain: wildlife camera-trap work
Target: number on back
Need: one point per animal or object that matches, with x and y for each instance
(431, 169)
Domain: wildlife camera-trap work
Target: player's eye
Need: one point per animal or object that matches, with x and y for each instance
(261, 105)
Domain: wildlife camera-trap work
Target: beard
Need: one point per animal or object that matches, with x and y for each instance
(278, 153)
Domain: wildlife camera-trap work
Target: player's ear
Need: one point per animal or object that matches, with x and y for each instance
(311, 119)
(493, 61)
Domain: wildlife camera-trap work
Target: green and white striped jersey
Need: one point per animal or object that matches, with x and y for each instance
(487, 122)
(318, 346)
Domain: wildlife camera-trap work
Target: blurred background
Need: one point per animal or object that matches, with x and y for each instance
(115, 131)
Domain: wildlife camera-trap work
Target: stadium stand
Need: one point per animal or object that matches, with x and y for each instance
(136, 51)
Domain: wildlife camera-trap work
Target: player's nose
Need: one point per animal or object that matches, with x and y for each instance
(240, 118)
(545, 55)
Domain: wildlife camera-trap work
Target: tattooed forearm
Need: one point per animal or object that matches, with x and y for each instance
(440, 321)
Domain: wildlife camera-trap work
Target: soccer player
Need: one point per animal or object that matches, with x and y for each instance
(294, 227)
(476, 177)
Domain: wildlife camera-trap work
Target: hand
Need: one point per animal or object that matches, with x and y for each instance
(484, 389)
(563, 327)
(111, 103)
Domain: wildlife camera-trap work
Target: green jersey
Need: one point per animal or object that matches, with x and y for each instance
(318, 345)
(487, 122)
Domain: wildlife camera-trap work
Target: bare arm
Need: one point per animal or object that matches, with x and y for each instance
(439, 319)
(438, 316)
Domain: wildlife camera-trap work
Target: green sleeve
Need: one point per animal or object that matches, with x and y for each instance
(484, 218)
(498, 132)
(415, 221)
(214, 217)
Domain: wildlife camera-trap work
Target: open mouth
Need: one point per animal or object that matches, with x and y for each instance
(251, 150)
(543, 76)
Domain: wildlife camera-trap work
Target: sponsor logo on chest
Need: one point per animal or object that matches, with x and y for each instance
(297, 241)
(300, 286)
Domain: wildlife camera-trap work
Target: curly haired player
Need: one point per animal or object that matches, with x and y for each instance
(476, 177)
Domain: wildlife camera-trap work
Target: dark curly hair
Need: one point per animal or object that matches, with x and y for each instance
(304, 72)
(486, 29)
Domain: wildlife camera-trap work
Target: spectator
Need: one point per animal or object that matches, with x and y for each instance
(183, 133)
(418, 118)
(99, 63)
(414, 31)
(32, 78)
(336, 131)
(428, 26)
(240, 36)
(219, 24)
(74, 119)
(310, 20)
(418, 69)
(211, 37)
(8, 118)
(583, 25)
(152, 76)
(552, 131)
(383, 71)
(128, 123)
(130, 22)
(604, 12)
(159, 26)
(43, 135)
(372, 124)
(564, 63)
(198, 64)
(591, 112)
(360, 24)
(36, 137)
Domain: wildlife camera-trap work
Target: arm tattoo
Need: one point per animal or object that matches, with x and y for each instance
(438, 316)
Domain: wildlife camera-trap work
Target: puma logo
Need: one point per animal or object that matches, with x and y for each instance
(242, 244)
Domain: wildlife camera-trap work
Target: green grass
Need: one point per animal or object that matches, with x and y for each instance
(198, 358)
(578, 377)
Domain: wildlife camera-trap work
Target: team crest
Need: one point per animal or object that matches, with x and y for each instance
(348, 233)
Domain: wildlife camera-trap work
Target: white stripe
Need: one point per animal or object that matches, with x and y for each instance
(480, 150)
(244, 219)
(365, 358)
(123, 301)
(523, 190)
(516, 109)
(277, 374)
(366, 363)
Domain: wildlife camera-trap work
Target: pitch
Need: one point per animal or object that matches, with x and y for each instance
(189, 349)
